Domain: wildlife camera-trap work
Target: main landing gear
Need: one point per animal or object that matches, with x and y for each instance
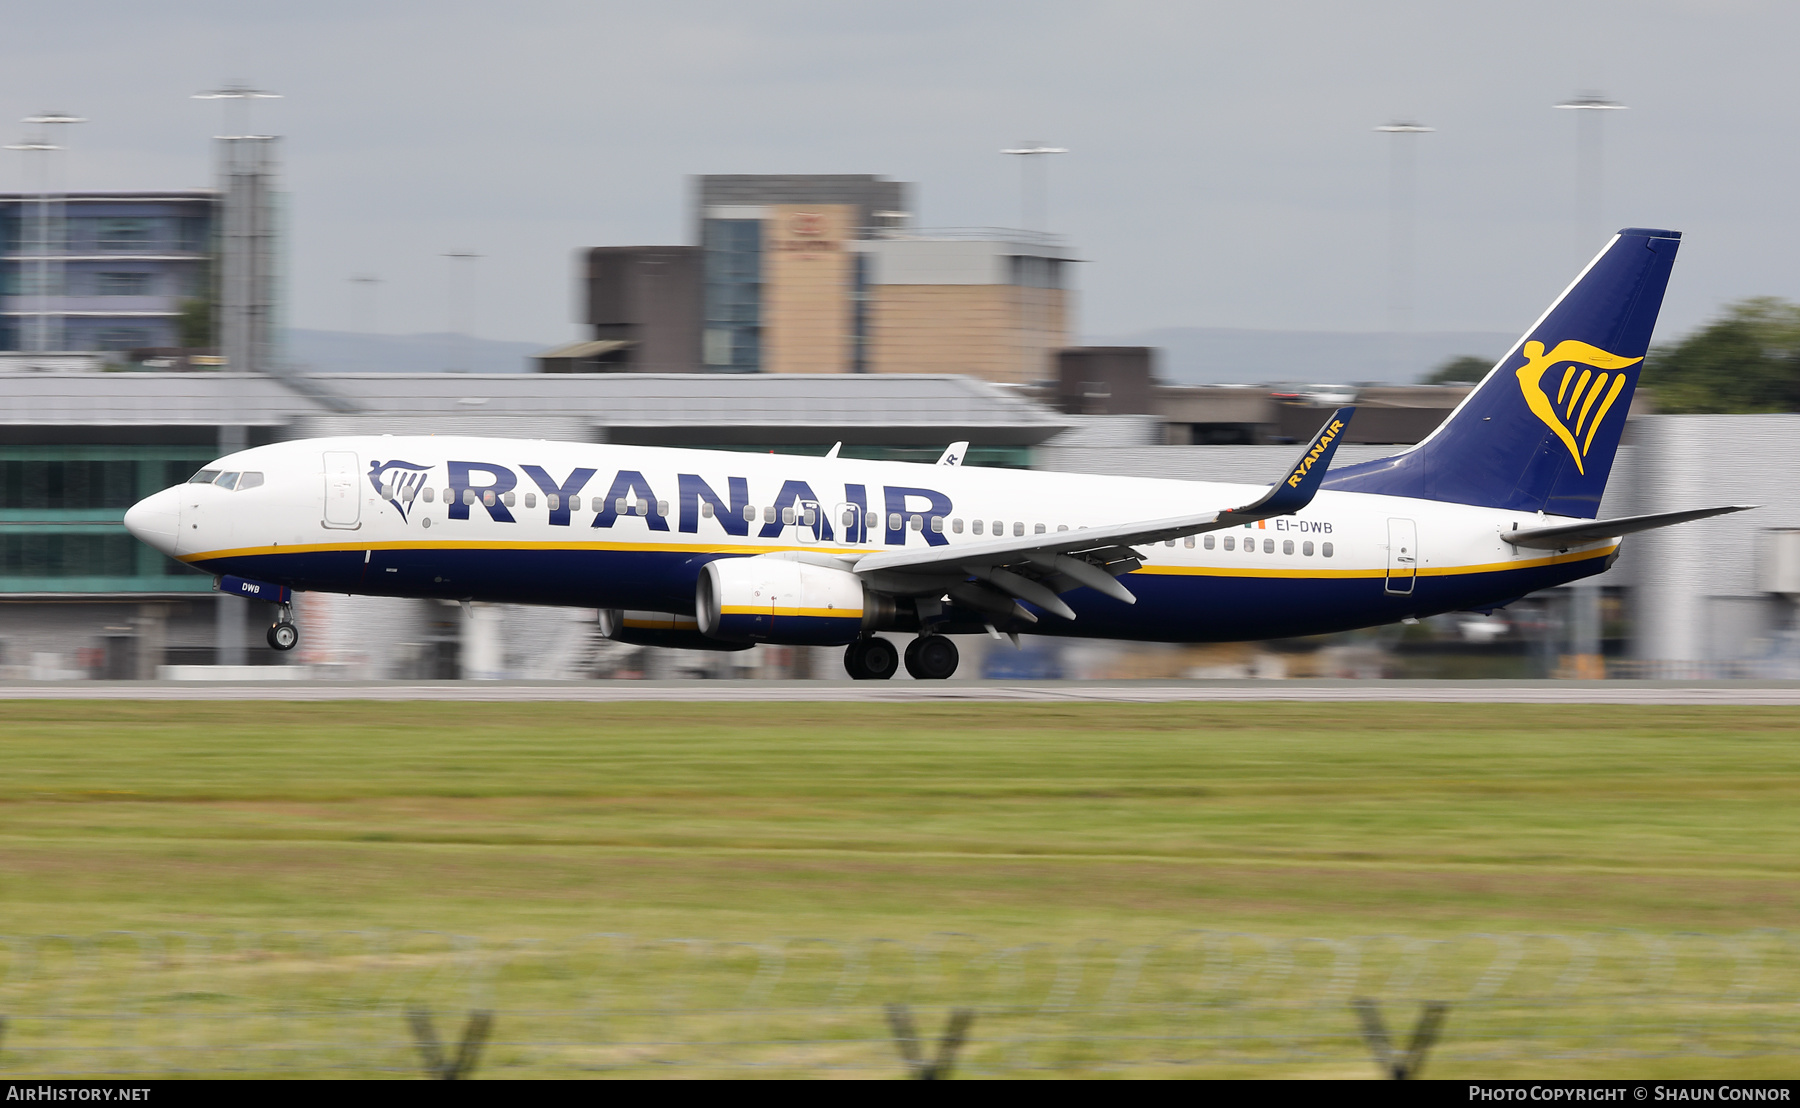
(871, 659)
(931, 658)
(928, 658)
(284, 635)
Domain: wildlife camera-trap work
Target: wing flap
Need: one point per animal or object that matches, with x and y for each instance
(1289, 495)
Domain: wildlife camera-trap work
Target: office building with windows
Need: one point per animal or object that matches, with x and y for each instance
(105, 273)
(824, 274)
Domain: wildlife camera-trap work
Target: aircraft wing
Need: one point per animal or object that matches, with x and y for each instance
(1037, 567)
(1594, 530)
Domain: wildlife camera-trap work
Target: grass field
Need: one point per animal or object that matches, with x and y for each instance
(1036, 821)
(1021, 823)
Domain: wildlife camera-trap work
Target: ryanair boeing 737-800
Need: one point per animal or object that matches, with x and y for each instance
(722, 550)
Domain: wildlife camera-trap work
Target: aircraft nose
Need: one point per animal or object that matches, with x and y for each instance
(153, 520)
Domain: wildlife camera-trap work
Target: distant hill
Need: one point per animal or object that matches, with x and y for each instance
(1221, 355)
(353, 352)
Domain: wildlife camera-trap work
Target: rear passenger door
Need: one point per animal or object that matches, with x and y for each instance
(1403, 556)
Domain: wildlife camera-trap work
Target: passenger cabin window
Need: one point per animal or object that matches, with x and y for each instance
(917, 523)
(1230, 541)
(975, 526)
(787, 515)
(749, 514)
(894, 521)
(509, 499)
(1039, 529)
(469, 497)
(937, 524)
(1306, 548)
(662, 508)
(706, 509)
(1188, 542)
(1268, 546)
(552, 501)
(531, 500)
(1018, 530)
(956, 526)
(204, 477)
(1065, 527)
(1208, 542)
(574, 503)
(430, 495)
(1325, 550)
(849, 517)
(1287, 546)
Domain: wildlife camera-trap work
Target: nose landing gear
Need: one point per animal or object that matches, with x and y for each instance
(931, 658)
(284, 635)
(871, 659)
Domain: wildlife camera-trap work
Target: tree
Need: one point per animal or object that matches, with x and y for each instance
(1464, 370)
(195, 324)
(1747, 360)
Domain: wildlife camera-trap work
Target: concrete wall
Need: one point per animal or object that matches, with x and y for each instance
(997, 332)
(1696, 596)
(807, 278)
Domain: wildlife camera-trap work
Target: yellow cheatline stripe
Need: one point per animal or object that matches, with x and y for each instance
(521, 547)
(706, 548)
(1428, 571)
(820, 613)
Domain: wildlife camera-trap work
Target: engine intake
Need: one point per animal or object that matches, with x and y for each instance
(780, 600)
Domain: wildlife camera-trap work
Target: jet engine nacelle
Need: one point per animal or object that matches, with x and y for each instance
(780, 600)
(659, 629)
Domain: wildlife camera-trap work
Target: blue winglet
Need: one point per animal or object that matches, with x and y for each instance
(1295, 491)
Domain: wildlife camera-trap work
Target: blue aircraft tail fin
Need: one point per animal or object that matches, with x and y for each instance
(1540, 431)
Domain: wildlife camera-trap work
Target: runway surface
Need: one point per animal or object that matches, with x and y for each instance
(1477, 692)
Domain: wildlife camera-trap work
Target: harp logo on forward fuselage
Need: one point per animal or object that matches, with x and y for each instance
(1585, 393)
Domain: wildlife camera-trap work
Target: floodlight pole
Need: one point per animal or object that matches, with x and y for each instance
(1402, 204)
(52, 239)
(1588, 168)
(362, 303)
(462, 323)
(1402, 174)
(1033, 153)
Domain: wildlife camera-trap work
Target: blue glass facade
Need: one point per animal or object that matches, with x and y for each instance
(99, 272)
(732, 336)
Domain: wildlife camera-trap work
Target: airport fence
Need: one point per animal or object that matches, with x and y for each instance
(137, 1004)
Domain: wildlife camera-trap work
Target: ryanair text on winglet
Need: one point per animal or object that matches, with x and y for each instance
(1312, 455)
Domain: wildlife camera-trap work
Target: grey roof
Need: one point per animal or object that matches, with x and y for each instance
(624, 407)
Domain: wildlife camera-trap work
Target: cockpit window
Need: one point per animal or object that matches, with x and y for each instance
(204, 477)
(249, 480)
(227, 481)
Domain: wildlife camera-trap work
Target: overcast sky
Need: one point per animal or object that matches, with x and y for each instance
(1224, 172)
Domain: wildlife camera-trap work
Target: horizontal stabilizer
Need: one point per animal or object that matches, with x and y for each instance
(1595, 530)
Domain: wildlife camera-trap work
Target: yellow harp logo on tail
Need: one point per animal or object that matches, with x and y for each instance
(1583, 396)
